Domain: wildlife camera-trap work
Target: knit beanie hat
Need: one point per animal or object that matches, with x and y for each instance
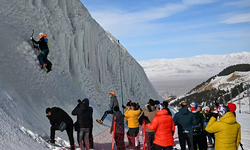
(194, 106)
(222, 110)
(232, 106)
(160, 106)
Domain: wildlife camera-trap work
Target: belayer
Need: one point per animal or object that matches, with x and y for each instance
(43, 46)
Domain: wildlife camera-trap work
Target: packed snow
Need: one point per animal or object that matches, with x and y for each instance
(87, 62)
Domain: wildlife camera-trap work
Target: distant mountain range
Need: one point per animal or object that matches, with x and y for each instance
(179, 76)
(202, 65)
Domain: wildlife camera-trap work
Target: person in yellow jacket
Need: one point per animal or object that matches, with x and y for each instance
(226, 130)
(131, 115)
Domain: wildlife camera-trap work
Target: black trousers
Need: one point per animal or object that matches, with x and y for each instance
(69, 130)
(91, 140)
(183, 138)
(132, 133)
(197, 140)
(158, 147)
(151, 137)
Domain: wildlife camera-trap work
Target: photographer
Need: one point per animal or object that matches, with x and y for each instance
(131, 115)
(60, 120)
(83, 114)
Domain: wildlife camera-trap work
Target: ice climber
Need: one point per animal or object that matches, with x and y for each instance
(113, 102)
(60, 120)
(43, 46)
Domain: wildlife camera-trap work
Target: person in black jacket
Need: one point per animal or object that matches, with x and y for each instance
(42, 44)
(83, 113)
(119, 130)
(57, 117)
(198, 127)
(185, 119)
(91, 140)
(165, 103)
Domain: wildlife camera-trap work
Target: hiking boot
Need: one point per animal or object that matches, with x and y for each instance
(49, 70)
(99, 121)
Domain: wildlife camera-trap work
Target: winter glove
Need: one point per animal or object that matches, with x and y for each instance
(123, 106)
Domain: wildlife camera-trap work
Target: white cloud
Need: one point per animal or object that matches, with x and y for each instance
(237, 18)
(123, 23)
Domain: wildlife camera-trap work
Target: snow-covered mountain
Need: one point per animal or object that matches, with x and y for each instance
(88, 62)
(203, 65)
(178, 76)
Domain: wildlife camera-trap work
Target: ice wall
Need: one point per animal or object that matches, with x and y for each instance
(87, 62)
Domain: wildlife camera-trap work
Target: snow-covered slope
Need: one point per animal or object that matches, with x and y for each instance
(193, 67)
(87, 62)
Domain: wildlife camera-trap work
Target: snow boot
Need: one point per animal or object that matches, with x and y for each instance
(49, 70)
(99, 121)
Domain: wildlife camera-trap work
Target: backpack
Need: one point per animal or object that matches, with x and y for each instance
(62, 126)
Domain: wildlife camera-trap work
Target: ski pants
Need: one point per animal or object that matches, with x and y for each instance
(83, 134)
(158, 147)
(110, 111)
(43, 56)
(186, 137)
(69, 130)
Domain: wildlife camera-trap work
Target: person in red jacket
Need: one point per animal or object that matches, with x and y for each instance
(164, 127)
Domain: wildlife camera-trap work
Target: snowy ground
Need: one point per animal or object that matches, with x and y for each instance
(87, 62)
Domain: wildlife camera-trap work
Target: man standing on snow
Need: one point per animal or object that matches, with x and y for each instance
(83, 114)
(227, 130)
(198, 127)
(113, 102)
(184, 119)
(119, 129)
(60, 120)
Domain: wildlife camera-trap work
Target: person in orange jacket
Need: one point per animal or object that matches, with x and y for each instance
(164, 128)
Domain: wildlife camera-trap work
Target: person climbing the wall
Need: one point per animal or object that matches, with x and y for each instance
(43, 46)
(113, 102)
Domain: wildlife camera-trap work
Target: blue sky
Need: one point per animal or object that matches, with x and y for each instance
(153, 29)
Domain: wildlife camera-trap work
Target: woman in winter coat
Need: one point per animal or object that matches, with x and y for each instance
(164, 128)
(227, 130)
